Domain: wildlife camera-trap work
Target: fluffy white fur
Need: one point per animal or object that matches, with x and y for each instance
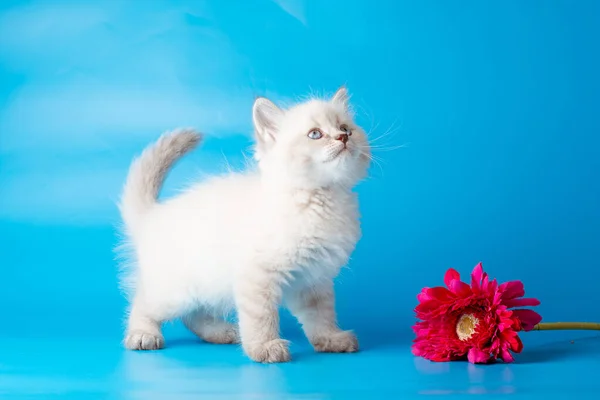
(251, 241)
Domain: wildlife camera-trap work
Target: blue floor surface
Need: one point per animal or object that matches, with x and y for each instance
(554, 365)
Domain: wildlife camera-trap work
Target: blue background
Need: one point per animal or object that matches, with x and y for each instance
(496, 107)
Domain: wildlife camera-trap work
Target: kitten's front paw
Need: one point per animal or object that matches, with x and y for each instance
(138, 340)
(339, 342)
(274, 351)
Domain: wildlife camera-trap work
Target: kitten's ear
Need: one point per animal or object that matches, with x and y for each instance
(341, 96)
(266, 116)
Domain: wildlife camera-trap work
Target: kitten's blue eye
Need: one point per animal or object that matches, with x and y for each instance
(344, 128)
(315, 134)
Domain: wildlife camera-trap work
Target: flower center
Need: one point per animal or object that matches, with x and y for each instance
(466, 325)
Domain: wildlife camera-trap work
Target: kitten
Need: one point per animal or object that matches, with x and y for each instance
(248, 241)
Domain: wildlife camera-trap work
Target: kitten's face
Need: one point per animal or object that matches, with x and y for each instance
(314, 144)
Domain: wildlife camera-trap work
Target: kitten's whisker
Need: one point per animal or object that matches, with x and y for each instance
(376, 149)
(376, 160)
(391, 148)
(373, 129)
(379, 166)
(388, 134)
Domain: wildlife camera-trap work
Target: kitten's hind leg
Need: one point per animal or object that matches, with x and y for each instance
(211, 328)
(143, 330)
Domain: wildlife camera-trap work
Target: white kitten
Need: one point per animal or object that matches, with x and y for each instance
(248, 241)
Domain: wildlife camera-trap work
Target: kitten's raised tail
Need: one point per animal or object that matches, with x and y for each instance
(147, 173)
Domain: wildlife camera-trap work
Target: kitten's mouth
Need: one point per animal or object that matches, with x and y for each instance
(337, 155)
(344, 150)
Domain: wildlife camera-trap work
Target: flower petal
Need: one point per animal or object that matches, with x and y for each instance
(521, 302)
(512, 289)
(517, 345)
(506, 356)
(451, 275)
(459, 288)
(423, 296)
(476, 276)
(440, 293)
(485, 283)
(528, 318)
(477, 356)
(493, 286)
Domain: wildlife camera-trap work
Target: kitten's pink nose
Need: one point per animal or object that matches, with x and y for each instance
(343, 137)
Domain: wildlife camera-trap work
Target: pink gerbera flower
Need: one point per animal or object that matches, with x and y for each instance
(474, 322)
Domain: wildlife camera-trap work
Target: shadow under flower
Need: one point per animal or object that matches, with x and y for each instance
(561, 350)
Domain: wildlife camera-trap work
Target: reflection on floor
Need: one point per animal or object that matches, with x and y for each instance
(553, 365)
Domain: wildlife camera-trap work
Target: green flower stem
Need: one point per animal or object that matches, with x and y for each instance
(561, 326)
